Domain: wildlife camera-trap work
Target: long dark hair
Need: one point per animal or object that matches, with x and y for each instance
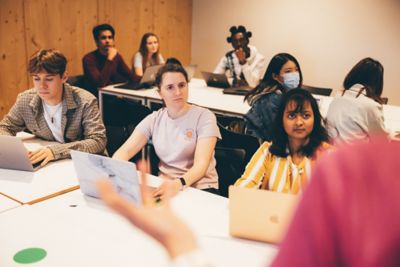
(369, 73)
(143, 50)
(268, 83)
(280, 138)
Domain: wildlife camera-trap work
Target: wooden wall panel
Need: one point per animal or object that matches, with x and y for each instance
(13, 77)
(130, 19)
(173, 24)
(63, 25)
(29, 25)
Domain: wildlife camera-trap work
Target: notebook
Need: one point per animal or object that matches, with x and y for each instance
(90, 168)
(13, 155)
(260, 215)
(147, 81)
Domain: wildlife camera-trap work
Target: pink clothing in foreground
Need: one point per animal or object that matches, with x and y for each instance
(350, 212)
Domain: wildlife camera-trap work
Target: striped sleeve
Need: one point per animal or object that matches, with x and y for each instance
(255, 169)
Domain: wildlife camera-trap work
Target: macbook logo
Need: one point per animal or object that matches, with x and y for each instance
(274, 219)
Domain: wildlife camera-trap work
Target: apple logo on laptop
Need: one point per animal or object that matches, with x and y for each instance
(274, 219)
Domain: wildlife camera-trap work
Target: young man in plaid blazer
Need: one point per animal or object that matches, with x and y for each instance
(56, 111)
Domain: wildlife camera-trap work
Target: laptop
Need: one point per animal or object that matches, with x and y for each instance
(90, 168)
(14, 155)
(260, 215)
(147, 81)
(215, 79)
(221, 81)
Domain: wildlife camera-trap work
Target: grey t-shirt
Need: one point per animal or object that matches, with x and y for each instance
(175, 141)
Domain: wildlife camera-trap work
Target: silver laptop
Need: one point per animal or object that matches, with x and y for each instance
(260, 215)
(90, 168)
(14, 155)
(147, 81)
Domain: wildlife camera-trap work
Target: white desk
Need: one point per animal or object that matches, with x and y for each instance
(230, 105)
(79, 231)
(28, 187)
(199, 94)
(7, 203)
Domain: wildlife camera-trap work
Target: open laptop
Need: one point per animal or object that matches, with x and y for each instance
(215, 79)
(90, 168)
(221, 81)
(147, 81)
(260, 215)
(14, 155)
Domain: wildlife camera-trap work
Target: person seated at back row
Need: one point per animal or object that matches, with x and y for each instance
(148, 54)
(299, 139)
(183, 135)
(357, 113)
(283, 74)
(244, 64)
(104, 66)
(55, 111)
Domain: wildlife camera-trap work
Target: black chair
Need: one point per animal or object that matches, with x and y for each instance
(317, 90)
(77, 80)
(232, 154)
(120, 123)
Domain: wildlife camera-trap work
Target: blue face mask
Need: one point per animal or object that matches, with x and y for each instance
(291, 80)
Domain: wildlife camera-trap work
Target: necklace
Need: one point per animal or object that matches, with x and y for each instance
(49, 114)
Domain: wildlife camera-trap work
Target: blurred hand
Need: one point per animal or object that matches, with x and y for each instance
(43, 154)
(241, 55)
(168, 189)
(111, 53)
(157, 220)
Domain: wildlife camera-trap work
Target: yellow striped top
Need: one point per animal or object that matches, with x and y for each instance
(270, 172)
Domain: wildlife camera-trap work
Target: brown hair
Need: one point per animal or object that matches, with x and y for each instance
(49, 60)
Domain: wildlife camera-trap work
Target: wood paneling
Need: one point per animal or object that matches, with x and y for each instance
(173, 24)
(13, 78)
(130, 20)
(29, 25)
(63, 25)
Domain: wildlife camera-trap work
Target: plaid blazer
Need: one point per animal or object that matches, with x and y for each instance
(81, 122)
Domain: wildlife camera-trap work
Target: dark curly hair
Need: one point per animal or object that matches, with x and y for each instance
(280, 138)
(234, 30)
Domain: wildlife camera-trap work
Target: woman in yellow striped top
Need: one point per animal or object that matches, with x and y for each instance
(284, 165)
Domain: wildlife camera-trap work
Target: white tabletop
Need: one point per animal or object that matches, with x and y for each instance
(26, 187)
(7, 203)
(233, 105)
(79, 231)
(199, 94)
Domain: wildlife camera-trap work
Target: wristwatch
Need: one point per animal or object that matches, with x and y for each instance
(183, 182)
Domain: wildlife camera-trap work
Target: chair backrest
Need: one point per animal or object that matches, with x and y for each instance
(232, 154)
(120, 120)
(77, 80)
(317, 90)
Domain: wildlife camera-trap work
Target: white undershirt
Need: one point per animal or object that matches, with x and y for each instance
(52, 114)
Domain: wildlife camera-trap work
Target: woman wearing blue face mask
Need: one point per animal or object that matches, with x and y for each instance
(283, 73)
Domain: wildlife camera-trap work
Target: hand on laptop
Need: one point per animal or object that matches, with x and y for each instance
(157, 220)
(44, 155)
(168, 189)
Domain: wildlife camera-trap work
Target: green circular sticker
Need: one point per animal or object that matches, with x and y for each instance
(30, 255)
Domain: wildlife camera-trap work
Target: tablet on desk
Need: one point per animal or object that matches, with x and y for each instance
(90, 168)
(13, 155)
